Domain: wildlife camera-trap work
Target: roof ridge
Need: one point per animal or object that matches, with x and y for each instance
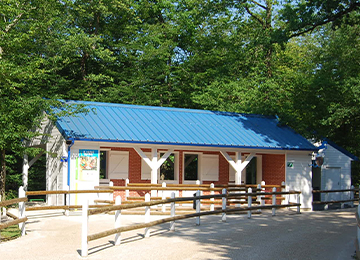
(186, 110)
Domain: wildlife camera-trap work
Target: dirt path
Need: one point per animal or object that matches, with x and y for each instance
(310, 235)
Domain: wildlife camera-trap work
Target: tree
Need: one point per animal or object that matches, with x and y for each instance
(29, 38)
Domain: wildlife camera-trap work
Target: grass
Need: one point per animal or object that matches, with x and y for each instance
(10, 233)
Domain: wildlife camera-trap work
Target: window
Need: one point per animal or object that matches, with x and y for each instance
(103, 164)
(191, 165)
(251, 171)
(167, 169)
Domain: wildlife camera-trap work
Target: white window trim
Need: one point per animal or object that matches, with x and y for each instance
(176, 169)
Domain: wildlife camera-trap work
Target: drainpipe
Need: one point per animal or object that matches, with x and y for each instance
(69, 143)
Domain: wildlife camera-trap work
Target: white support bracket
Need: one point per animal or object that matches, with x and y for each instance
(238, 165)
(154, 164)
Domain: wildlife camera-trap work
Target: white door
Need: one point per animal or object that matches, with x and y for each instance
(332, 181)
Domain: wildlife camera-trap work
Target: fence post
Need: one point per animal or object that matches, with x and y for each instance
(85, 226)
(163, 207)
(352, 196)
(298, 202)
(273, 201)
(22, 210)
(67, 202)
(262, 191)
(326, 207)
(147, 215)
(357, 241)
(1, 210)
(258, 197)
(172, 223)
(117, 240)
(111, 195)
(127, 192)
(283, 201)
(198, 208)
(249, 201)
(223, 218)
(212, 206)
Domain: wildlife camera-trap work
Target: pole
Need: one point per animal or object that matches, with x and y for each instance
(117, 221)
(85, 225)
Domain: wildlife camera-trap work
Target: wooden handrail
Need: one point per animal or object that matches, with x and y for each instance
(159, 188)
(13, 222)
(333, 201)
(48, 192)
(329, 191)
(169, 219)
(12, 201)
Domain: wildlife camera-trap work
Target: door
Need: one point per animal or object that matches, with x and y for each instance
(332, 181)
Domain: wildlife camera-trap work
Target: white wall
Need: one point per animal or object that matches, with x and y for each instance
(55, 168)
(335, 173)
(298, 177)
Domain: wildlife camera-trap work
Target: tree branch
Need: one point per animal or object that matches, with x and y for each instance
(14, 22)
(338, 15)
(258, 4)
(254, 16)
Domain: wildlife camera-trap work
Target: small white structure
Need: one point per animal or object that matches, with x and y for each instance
(332, 171)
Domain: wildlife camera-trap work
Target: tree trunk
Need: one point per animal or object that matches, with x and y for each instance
(2, 174)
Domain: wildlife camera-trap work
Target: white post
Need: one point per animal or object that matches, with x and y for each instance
(154, 171)
(127, 191)
(1, 208)
(22, 210)
(358, 229)
(172, 223)
(262, 191)
(298, 202)
(67, 197)
(258, 197)
(85, 226)
(163, 207)
(117, 221)
(273, 201)
(237, 171)
(198, 208)
(326, 207)
(283, 190)
(223, 218)
(25, 171)
(352, 195)
(212, 206)
(147, 215)
(249, 202)
(111, 194)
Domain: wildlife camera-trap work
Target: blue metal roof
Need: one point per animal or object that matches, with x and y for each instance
(176, 126)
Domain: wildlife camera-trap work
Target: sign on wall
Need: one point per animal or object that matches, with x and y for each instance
(87, 165)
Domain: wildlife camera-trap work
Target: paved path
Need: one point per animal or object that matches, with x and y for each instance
(309, 235)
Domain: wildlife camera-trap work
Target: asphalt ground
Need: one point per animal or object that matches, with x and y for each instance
(309, 235)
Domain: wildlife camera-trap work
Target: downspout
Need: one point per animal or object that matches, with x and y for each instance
(69, 143)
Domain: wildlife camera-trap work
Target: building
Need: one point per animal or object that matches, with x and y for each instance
(331, 171)
(159, 144)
